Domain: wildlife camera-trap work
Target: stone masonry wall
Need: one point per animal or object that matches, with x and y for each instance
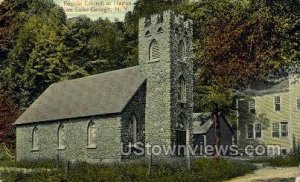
(108, 137)
(135, 107)
(162, 106)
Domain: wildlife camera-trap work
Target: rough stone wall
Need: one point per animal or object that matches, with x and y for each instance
(135, 107)
(162, 107)
(181, 31)
(108, 138)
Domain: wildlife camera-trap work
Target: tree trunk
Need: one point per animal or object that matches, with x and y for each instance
(216, 120)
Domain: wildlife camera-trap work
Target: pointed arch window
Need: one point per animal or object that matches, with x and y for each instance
(182, 89)
(61, 137)
(91, 135)
(133, 129)
(180, 135)
(181, 51)
(35, 139)
(154, 53)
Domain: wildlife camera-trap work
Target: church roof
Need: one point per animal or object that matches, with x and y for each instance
(105, 93)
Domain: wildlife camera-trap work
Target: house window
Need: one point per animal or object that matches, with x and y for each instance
(298, 104)
(182, 89)
(254, 130)
(35, 140)
(91, 135)
(257, 130)
(284, 129)
(251, 107)
(280, 129)
(275, 131)
(250, 131)
(133, 129)
(181, 51)
(154, 51)
(277, 103)
(61, 137)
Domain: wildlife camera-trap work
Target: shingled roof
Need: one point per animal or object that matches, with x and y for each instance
(106, 93)
(262, 88)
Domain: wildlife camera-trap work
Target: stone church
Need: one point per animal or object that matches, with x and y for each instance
(96, 117)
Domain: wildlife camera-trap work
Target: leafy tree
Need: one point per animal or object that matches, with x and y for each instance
(238, 43)
(9, 112)
(7, 17)
(39, 57)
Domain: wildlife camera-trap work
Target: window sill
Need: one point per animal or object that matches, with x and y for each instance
(154, 61)
(91, 147)
(182, 102)
(61, 148)
(35, 149)
(182, 61)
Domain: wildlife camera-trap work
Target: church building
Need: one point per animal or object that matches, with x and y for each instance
(96, 117)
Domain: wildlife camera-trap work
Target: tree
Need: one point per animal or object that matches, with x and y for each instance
(9, 112)
(238, 43)
(39, 56)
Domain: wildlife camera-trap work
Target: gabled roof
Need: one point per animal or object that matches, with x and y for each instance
(202, 122)
(106, 93)
(262, 88)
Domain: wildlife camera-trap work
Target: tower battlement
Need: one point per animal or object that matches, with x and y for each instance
(170, 19)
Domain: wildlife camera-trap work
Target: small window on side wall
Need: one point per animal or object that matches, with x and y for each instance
(35, 140)
(61, 137)
(133, 130)
(91, 135)
(181, 51)
(182, 89)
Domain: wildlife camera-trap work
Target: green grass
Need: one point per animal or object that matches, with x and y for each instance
(202, 169)
(280, 161)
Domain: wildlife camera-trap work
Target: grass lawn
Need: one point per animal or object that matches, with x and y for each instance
(280, 161)
(203, 169)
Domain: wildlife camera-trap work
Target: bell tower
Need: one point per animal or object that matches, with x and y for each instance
(165, 59)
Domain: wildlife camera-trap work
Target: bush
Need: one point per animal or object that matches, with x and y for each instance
(203, 169)
(281, 161)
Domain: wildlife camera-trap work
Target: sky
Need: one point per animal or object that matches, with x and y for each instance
(94, 9)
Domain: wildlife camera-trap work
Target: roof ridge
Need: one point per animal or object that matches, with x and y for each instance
(96, 75)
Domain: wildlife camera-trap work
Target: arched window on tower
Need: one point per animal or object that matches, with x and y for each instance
(35, 139)
(154, 53)
(182, 89)
(181, 51)
(180, 134)
(133, 129)
(91, 135)
(61, 137)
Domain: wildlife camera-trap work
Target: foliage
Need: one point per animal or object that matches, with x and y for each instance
(238, 43)
(8, 114)
(138, 171)
(281, 161)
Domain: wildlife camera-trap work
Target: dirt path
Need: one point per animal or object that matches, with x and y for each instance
(270, 174)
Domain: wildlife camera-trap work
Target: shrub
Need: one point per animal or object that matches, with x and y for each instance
(203, 169)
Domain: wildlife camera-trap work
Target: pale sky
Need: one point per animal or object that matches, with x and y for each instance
(95, 9)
